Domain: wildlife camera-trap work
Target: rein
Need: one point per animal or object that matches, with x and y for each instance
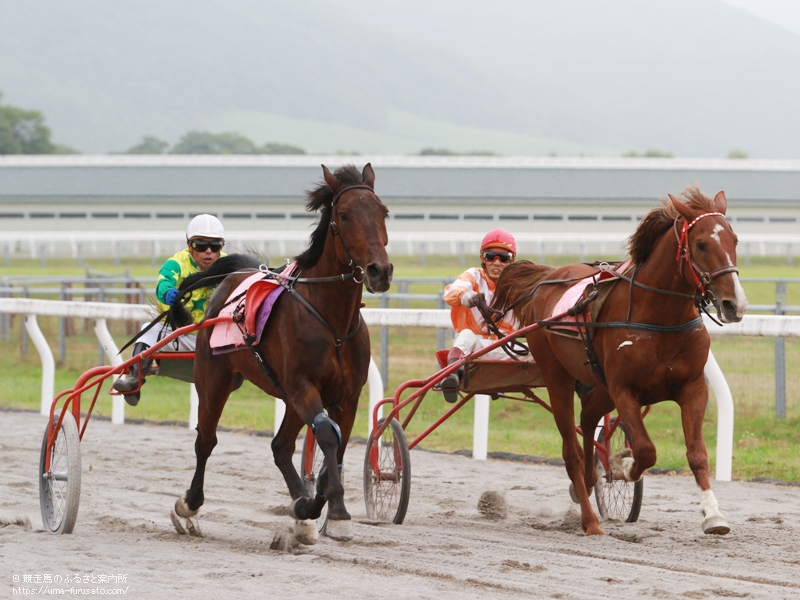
(701, 278)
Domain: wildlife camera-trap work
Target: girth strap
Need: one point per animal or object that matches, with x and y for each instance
(262, 363)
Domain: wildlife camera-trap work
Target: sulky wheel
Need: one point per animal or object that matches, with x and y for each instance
(618, 499)
(312, 464)
(387, 474)
(60, 486)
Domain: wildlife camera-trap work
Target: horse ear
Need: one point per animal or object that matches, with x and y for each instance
(332, 182)
(721, 202)
(368, 175)
(682, 209)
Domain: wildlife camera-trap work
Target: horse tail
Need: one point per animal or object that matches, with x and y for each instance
(515, 288)
(178, 315)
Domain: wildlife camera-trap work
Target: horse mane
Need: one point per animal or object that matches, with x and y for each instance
(659, 220)
(177, 315)
(516, 284)
(321, 197)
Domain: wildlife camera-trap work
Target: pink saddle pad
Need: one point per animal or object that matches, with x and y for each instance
(575, 293)
(227, 336)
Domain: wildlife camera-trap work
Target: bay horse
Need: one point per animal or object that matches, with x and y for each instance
(648, 343)
(315, 346)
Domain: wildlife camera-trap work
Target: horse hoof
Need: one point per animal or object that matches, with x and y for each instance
(341, 531)
(306, 532)
(285, 541)
(716, 526)
(192, 527)
(595, 530)
(572, 493)
(615, 461)
(181, 511)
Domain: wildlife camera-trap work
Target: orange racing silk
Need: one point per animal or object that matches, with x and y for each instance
(470, 318)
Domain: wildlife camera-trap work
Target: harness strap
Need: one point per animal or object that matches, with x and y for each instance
(262, 363)
(622, 325)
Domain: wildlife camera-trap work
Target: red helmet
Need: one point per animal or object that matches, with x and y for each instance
(499, 238)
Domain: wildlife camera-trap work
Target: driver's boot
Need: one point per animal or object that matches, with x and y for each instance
(451, 383)
(131, 382)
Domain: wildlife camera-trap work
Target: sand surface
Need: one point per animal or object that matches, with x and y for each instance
(132, 474)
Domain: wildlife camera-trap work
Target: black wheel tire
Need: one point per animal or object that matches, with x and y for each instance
(60, 487)
(310, 473)
(387, 487)
(617, 500)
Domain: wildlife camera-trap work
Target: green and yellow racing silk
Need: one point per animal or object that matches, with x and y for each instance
(172, 273)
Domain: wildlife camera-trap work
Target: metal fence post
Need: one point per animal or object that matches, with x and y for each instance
(62, 329)
(780, 355)
(25, 294)
(440, 333)
(385, 348)
(5, 320)
(101, 297)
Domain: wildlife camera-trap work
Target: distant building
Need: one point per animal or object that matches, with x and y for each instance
(424, 193)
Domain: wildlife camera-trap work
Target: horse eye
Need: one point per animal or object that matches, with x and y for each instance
(701, 246)
(342, 216)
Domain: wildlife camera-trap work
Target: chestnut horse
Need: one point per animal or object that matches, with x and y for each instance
(315, 347)
(648, 343)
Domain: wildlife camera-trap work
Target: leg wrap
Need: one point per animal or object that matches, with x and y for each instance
(321, 418)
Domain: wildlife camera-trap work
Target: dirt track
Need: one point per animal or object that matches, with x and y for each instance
(132, 475)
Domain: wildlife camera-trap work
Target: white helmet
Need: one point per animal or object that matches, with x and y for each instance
(205, 226)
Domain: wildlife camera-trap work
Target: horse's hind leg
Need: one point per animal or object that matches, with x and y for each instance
(560, 386)
(692, 414)
(595, 404)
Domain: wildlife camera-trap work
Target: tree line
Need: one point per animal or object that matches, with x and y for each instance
(24, 131)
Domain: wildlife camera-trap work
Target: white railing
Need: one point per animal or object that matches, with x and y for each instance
(753, 325)
(455, 243)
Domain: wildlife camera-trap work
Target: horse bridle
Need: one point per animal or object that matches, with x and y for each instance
(338, 236)
(701, 278)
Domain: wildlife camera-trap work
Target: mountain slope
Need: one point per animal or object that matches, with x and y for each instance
(694, 77)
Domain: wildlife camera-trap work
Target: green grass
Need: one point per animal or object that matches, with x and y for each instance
(763, 445)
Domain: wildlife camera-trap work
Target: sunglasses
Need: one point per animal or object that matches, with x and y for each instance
(504, 257)
(203, 245)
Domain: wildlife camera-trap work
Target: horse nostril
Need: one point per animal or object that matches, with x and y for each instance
(728, 307)
(375, 271)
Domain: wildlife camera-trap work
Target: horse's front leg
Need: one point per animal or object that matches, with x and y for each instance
(303, 509)
(332, 440)
(693, 406)
(631, 464)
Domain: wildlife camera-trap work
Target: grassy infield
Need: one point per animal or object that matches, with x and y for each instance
(763, 445)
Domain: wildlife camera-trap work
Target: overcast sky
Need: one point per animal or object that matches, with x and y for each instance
(785, 13)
